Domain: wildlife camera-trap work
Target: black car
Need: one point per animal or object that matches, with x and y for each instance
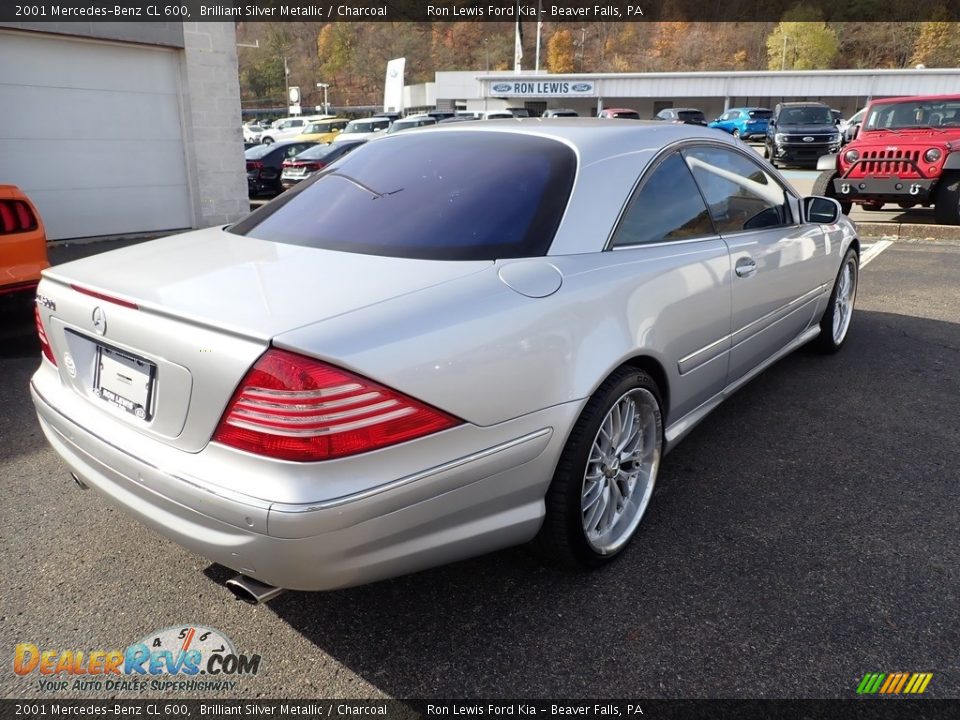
(687, 116)
(265, 161)
(311, 160)
(800, 132)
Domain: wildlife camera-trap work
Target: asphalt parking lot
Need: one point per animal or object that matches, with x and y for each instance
(804, 535)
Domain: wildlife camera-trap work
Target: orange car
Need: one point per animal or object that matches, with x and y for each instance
(23, 242)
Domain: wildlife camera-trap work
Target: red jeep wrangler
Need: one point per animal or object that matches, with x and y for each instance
(907, 152)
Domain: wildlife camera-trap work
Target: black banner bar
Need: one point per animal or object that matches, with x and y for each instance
(560, 11)
(859, 709)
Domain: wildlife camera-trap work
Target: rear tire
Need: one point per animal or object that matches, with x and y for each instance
(835, 323)
(606, 473)
(736, 133)
(946, 209)
(824, 188)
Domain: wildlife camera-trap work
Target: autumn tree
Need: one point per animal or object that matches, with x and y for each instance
(560, 56)
(938, 42)
(802, 41)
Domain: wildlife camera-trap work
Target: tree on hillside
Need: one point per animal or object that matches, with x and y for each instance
(938, 42)
(802, 41)
(560, 55)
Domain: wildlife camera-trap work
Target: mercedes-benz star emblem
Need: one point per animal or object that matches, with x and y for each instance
(99, 321)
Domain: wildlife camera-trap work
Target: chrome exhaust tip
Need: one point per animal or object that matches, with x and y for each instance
(252, 591)
(80, 483)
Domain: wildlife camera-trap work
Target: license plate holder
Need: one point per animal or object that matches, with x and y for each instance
(125, 381)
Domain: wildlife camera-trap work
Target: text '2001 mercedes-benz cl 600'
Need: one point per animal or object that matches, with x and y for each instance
(449, 341)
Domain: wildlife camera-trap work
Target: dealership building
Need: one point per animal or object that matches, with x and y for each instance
(648, 93)
(122, 127)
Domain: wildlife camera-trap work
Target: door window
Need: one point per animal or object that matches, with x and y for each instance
(741, 195)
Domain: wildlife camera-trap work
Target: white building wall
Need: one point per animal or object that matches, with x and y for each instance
(210, 89)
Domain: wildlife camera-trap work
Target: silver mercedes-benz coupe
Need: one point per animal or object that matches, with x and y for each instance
(449, 341)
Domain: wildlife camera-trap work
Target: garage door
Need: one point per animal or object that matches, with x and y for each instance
(91, 131)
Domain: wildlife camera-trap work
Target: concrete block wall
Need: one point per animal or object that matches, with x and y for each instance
(210, 104)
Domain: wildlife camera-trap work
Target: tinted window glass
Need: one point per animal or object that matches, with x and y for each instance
(668, 206)
(694, 115)
(327, 152)
(257, 152)
(761, 114)
(740, 193)
(444, 196)
(812, 115)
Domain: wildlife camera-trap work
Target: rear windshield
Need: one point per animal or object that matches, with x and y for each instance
(320, 152)
(691, 115)
(627, 115)
(761, 114)
(258, 151)
(441, 196)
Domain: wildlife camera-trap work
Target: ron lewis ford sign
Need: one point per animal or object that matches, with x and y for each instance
(542, 88)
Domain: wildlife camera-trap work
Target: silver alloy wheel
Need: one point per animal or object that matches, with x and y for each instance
(621, 471)
(843, 302)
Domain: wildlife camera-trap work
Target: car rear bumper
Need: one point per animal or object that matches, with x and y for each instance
(488, 499)
(886, 189)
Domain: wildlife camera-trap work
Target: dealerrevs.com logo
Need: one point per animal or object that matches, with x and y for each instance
(188, 658)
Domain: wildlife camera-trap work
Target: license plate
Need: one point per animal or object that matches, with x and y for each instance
(294, 172)
(125, 381)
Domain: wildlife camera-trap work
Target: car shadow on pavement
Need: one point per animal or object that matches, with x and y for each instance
(808, 522)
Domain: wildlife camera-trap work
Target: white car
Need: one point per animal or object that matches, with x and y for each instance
(364, 129)
(288, 128)
(252, 133)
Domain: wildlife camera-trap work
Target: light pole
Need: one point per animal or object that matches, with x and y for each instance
(326, 107)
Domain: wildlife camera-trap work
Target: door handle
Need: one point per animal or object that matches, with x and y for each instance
(746, 267)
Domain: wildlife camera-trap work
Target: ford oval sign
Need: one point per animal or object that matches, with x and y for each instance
(502, 87)
(581, 87)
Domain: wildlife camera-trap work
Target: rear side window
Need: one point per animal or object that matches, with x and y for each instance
(668, 206)
(694, 115)
(441, 196)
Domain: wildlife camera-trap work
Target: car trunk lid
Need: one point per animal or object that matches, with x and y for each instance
(160, 334)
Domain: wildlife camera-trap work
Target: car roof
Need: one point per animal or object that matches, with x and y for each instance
(804, 104)
(619, 110)
(750, 107)
(914, 98)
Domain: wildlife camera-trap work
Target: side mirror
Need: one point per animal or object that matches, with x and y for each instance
(821, 210)
(772, 123)
(836, 121)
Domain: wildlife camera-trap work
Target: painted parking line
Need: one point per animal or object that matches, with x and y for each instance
(872, 250)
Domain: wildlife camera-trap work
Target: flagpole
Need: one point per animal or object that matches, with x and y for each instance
(539, 28)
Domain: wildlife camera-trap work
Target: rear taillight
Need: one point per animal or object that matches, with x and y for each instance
(16, 217)
(314, 166)
(251, 165)
(292, 407)
(41, 333)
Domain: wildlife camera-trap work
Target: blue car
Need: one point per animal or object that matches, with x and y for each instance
(745, 123)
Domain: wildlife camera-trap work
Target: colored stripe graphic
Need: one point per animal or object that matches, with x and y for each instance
(894, 683)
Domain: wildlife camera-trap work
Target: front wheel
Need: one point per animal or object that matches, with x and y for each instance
(606, 473)
(839, 313)
(267, 141)
(823, 186)
(946, 209)
(736, 133)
